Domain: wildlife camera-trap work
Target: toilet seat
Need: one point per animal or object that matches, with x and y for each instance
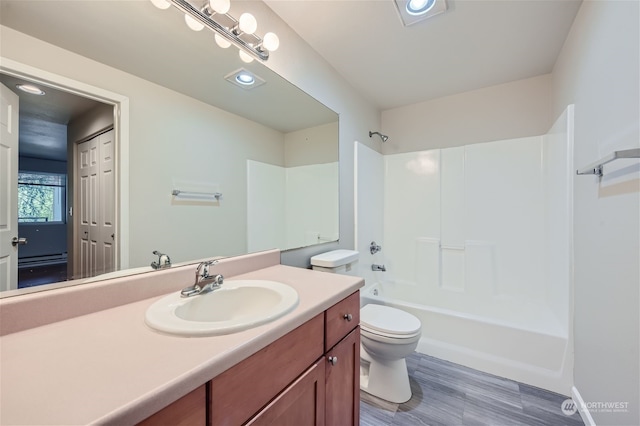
(389, 322)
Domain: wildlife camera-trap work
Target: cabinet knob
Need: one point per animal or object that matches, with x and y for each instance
(348, 317)
(333, 360)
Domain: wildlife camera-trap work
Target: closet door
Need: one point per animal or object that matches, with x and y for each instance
(96, 202)
(106, 230)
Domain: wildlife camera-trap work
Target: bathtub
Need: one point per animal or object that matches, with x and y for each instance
(537, 356)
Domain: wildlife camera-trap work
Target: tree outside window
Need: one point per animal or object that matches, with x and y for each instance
(41, 197)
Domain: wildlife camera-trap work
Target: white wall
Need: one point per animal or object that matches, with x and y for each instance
(506, 111)
(598, 70)
(315, 145)
(266, 195)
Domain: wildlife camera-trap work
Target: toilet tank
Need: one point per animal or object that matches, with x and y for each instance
(336, 261)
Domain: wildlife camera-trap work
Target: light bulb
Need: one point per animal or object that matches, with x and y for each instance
(222, 42)
(245, 56)
(192, 23)
(245, 79)
(247, 23)
(271, 42)
(419, 7)
(161, 4)
(220, 6)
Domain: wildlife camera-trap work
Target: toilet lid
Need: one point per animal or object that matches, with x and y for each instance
(385, 319)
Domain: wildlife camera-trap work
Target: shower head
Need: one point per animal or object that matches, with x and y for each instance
(383, 137)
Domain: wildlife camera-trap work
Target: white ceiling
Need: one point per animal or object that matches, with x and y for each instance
(475, 44)
(43, 119)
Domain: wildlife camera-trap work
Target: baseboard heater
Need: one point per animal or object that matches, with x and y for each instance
(49, 259)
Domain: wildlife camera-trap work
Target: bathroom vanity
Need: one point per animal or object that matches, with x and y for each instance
(310, 376)
(64, 362)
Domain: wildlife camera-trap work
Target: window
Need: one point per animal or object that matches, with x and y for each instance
(41, 197)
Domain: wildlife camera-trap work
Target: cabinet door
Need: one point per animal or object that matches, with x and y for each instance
(302, 403)
(342, 381)
(241, 391)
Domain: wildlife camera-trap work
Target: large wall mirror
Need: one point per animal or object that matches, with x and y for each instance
(271, 151)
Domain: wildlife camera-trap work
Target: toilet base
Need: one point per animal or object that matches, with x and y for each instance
(385, 379)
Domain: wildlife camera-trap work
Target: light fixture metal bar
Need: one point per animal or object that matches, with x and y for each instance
(228, 34)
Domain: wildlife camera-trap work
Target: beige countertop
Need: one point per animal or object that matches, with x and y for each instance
(108, 367)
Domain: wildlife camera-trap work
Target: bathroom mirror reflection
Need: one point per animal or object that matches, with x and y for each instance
(272, 151)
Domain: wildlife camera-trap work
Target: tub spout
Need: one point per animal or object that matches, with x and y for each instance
(380, 268)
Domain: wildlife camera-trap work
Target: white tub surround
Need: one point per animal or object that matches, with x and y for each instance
(478, 245)
(86, 356)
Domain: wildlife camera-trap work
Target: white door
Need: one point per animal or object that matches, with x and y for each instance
(96, 201)
(8, 189)
(106, 226)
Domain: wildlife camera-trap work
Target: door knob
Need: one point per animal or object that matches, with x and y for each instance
(333, 360)
(348, 317)
(21, 241)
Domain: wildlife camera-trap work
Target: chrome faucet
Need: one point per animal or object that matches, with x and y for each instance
(204, 282)
(163, 261)
(380, 268)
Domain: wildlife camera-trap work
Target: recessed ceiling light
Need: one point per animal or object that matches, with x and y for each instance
(30, 88)
(245, 79)
(419, 7)
(412, 11)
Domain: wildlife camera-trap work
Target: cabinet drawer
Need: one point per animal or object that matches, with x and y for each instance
(238, 393)
(337, 322)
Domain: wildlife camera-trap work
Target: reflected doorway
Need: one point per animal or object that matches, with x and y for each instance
(50, 126)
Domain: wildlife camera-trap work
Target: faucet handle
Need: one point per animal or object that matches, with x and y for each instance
(204, 266)
(164, 261)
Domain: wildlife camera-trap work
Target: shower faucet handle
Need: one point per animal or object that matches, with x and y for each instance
(374, 248)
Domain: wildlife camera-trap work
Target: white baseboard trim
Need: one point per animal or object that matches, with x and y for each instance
(582, 408)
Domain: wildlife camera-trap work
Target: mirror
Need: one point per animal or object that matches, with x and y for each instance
(271, 151)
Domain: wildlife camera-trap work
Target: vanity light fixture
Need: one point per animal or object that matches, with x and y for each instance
(214, 14)
(31, 89)
(412, 11)
(245, 79)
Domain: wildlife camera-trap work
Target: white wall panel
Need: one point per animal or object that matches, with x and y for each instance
(265, 206)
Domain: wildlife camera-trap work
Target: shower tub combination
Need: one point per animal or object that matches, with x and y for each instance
(477, 245)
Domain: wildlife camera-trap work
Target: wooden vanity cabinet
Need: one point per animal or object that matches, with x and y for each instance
(190, 410)
(342, 382)
(310, 376)
(342, 352)
(328, 393)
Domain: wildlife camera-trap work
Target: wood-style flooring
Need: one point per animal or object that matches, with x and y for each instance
(450, 394)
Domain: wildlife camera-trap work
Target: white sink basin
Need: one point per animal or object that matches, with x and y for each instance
(237, 305)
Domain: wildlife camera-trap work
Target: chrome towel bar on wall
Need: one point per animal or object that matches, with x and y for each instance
(192, 195)
(596, 168)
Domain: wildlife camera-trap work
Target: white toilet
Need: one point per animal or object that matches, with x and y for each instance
(388, 336)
